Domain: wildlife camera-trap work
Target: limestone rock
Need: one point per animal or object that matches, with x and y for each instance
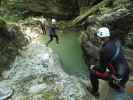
(31, 79)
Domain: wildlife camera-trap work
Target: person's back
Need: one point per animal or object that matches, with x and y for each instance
(113, 66)
(52, 29)
(119, 62)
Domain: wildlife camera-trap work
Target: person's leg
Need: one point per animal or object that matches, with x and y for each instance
(57, 39)
(122, 74)
(95, 74)
(121, 85)
(44, 30)
(51, 39)
(94, 81)
(42, 27)
(124, 80)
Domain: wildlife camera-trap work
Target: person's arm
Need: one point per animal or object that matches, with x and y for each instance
(105, 57)
(106, 54)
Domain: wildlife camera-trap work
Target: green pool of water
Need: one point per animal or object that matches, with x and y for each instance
(70, 53)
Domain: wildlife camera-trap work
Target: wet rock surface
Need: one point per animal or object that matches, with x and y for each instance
(38, 74)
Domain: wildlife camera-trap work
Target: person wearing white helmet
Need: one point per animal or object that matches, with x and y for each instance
(103, 32)
(53, 32)
(113, 66)
(53, 21)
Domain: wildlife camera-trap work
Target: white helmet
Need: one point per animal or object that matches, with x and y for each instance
(53, 21)
(103, 32)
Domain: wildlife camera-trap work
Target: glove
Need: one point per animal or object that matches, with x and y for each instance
(92, 67)
(116, 80)
(92, 71)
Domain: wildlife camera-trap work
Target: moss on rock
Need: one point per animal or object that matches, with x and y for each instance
(2, 23)
(12, 40)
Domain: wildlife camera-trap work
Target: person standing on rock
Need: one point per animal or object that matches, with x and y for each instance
(44, 25)
(113, 66)
(52, 32)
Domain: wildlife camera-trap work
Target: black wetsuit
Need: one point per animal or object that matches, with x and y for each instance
(52, 33)
(117, 67)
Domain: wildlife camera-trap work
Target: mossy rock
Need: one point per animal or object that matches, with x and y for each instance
(2, 23)
(50, 95)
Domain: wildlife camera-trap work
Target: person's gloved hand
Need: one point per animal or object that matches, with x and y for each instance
(92, 67)
(115, 80)
(92, 71)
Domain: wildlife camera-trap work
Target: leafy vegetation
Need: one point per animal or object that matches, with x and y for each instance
(13, 10)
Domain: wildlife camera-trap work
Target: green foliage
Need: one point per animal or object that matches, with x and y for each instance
(2, 23)
(121, 3)
(50, 95)
(14, 5)
(91, 11)
(13, 10)
(83, 10)
(12, 18)
(64, 24)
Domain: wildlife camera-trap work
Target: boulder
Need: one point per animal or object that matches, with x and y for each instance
(38, 74)
(12, 40)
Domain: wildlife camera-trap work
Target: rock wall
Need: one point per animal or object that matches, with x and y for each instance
(60, 9)
(116, 15)
(12, 40)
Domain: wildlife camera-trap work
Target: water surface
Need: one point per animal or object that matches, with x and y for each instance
(70, 53)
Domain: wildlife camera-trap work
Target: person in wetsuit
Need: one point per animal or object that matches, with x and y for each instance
(113, 66)
(44, 25)
(52, 32)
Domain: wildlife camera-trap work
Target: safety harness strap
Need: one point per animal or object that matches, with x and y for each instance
(118, 46)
